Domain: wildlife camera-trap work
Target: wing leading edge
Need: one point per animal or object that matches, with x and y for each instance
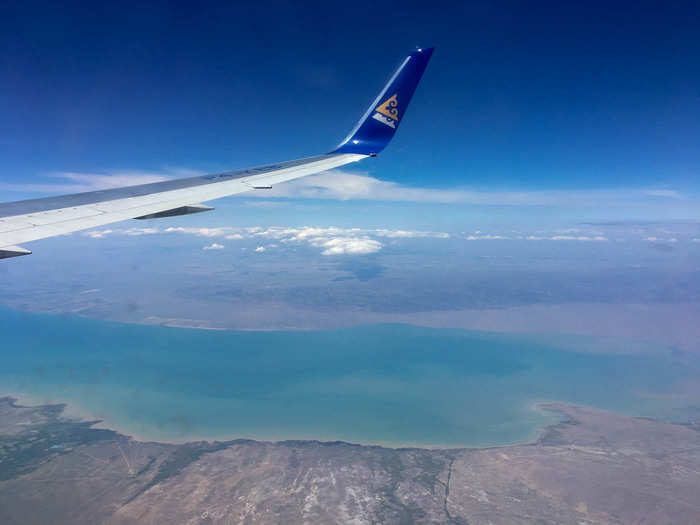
(34, 219)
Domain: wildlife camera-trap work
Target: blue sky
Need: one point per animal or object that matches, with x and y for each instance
(517, 97)
(537, 116)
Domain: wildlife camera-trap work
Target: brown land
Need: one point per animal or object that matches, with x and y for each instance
(594, 467)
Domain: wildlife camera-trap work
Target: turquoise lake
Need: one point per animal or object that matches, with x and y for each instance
(387, 384)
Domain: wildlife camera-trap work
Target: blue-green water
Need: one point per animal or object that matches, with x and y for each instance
(391, 384)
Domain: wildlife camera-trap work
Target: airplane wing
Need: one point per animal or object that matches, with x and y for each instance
(34, 219)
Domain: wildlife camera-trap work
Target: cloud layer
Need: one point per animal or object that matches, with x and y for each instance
(346, 245)
(343, 185)
(68, 182)
(330, 240)
(361, 241)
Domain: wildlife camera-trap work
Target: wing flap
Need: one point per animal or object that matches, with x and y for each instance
(176, 212)
(13, 251)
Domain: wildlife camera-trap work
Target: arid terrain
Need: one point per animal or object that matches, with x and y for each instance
(592, 467)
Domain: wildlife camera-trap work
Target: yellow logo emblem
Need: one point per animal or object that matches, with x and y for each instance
(389, 108)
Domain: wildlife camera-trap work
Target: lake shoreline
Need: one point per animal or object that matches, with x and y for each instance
(73, 412)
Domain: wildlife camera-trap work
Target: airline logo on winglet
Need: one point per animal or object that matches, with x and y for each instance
(388, 112)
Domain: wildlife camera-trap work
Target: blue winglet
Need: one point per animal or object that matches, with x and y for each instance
(378, 125)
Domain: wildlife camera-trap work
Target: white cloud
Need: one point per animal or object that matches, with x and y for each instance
(669, 194)
(584, 238)
(577, 238)
(342, 185)
(671, 240)
(97, 234)
(335, 241)
(93, 181)
(213, 246)
(69, 182)
(307, 232)
(404, 234)
(346, 245)
(485, 237)
(331, 240)
(201, 232)
(141, 231)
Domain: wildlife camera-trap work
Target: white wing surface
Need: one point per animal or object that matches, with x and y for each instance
(30, 220)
